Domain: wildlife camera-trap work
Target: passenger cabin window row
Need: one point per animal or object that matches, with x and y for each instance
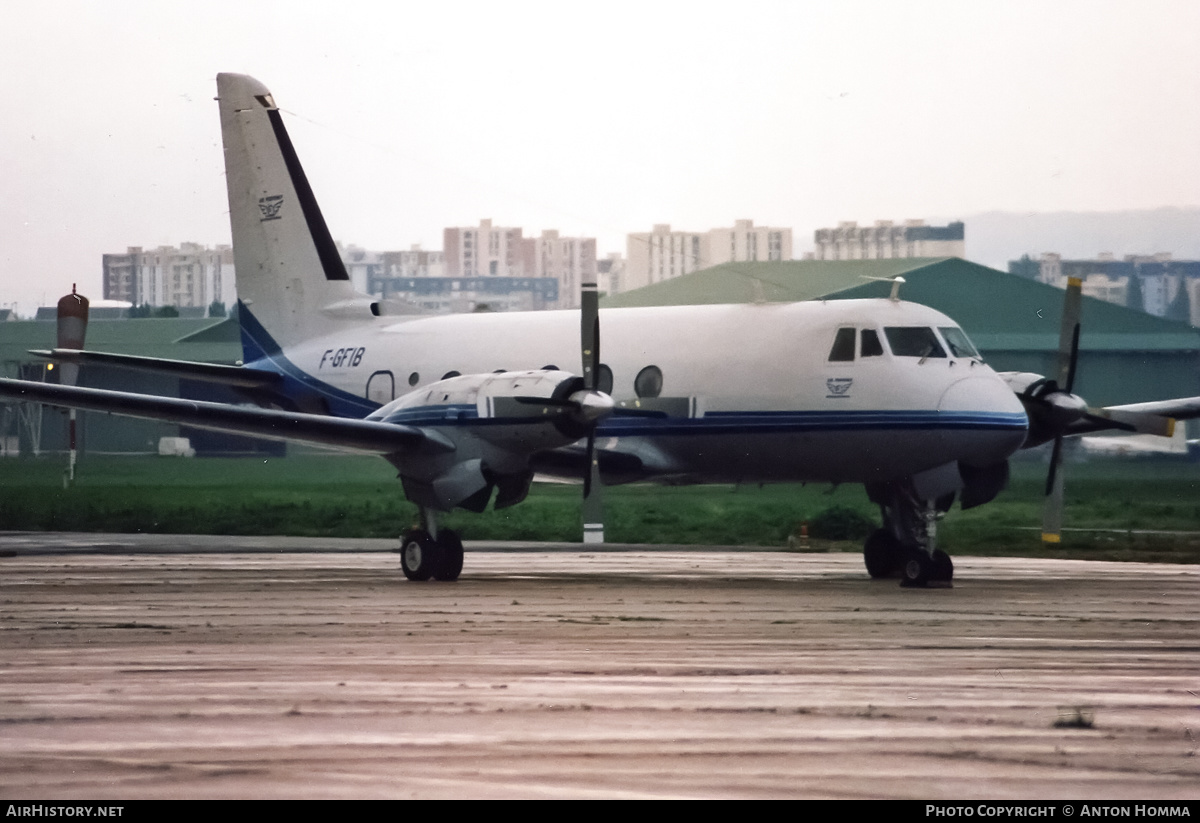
(904, 341)
(647, 384)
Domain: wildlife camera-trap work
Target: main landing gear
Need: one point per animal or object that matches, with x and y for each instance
(906, 546)
(427, 552)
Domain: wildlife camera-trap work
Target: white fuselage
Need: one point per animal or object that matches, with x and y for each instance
(759, 398)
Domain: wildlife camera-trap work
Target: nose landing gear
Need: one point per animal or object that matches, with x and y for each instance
(906, 546)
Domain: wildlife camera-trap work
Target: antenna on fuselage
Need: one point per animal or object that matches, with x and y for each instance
(896, 282)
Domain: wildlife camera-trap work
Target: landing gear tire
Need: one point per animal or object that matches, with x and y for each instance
(882, 554)
(943, 568)
(450, 556)
(418, 555)
(916, 569)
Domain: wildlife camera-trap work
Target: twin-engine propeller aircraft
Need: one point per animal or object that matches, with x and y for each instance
(469, 408)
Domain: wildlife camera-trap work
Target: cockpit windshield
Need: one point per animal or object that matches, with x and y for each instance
(913, 341)
(957, 340)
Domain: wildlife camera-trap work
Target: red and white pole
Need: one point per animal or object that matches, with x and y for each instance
(72, 328)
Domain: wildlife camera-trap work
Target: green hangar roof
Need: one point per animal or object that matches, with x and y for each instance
(785, 282)
(1001, 311)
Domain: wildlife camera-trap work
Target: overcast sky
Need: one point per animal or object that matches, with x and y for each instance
(596, 119)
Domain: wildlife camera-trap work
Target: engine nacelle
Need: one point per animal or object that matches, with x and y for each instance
(521, 410)
(495, 422)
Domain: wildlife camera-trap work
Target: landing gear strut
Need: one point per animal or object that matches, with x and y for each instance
(427, 552)
(906, 546)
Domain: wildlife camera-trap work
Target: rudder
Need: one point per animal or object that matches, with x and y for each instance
(291, 282)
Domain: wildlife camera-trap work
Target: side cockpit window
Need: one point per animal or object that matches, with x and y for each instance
(960, 345)
(843, 346)
(913, 341)
(871, 347)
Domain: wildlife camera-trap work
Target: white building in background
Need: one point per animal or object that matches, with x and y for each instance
(746, 242)
(1159, 278)
(886, 240)
(610, 273)
(362, 266)
(495, 251)
(380, 272)
(1158, 290)
(188, 276)
(1107, 288)
(663, 254)
(486, 251)
(569, 260)
(1102, 283)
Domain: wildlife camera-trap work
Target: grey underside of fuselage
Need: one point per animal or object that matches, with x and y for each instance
(817, 457)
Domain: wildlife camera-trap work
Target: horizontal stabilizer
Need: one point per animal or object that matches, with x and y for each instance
(359, 435)
(238, 376)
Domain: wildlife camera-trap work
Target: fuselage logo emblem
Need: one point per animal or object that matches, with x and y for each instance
(270, 206)
(838, 386)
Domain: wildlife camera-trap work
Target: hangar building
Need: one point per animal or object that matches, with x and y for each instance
(201, 340)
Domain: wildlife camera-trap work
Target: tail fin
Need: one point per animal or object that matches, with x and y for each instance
(291, 282)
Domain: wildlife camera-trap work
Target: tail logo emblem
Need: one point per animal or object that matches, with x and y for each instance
(270, 206)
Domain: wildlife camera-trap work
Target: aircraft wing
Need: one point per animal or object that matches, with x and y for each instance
(238, 376)
(360, 435)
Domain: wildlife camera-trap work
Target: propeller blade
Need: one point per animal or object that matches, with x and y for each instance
(1064, 406)
(1052, 514)
(589, 334)
(1068, 335)
(591, 459)
(1074, 360)
(1055, 459)
(589, 343)
(1140, 422)
(593, 504)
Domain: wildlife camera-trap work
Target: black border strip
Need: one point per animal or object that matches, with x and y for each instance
(327, 251)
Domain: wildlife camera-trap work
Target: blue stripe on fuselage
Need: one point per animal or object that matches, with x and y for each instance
(260, 351)
(739, 422)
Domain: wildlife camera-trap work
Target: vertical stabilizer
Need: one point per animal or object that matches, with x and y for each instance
(291, 282)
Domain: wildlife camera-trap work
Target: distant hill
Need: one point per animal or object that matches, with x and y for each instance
(994, 238)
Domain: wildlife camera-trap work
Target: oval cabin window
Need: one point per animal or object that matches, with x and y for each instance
(649, 382)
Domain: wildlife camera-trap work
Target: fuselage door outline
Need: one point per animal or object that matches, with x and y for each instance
(381, 387)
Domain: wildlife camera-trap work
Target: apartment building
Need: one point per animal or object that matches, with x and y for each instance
(569, 260)
(191, 275)
(886, 240)
(663, 254)
(485, 251)
(1159, 277)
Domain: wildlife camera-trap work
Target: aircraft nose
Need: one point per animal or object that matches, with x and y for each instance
(987, 408)
(984, 394)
